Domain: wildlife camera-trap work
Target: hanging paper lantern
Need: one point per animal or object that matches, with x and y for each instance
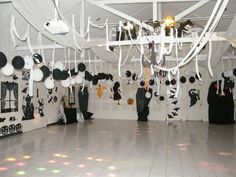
(3, 60)
(130, 101)
(167, 82)
(18, 62)
(128, 74)
(88, 76)
(46, 71)
(65, 83)
(37, 75)
(37, 58)
(173, 82)
(64, 75)
(8, 69)
(234, 72)
(151, 82)
(72, 81)
(59, 65)
(142, 83)
(192, 79)
(29, 62)
(148, 95)
(81, 67)
(78, 79)
(183, 79)
(49, 83)
(56, 74)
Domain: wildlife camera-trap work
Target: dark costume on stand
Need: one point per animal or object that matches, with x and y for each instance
(142, 104)
(221, 106)
(83, 102)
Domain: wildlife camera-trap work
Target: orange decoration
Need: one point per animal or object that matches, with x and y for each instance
(130, 101)
(147, 77)
(100, 90)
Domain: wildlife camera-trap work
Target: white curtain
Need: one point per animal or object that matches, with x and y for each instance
(37, 12)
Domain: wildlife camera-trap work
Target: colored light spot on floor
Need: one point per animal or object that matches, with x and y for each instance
(89, 174)
(41, 169)
(52, 161)
(10, 159)
(2, 169)
(112, 175)
(56, 171)
(111, 168)
(26, 157)
(66, 163)
(21, 173)
(81, 165)
(89, 158)
(20, 164)
(99, 160)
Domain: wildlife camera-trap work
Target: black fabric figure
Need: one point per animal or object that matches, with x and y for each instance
(194, 97)
(83, 96)
(116, 92)
(28, 109)
(142, 104)
(221, 106)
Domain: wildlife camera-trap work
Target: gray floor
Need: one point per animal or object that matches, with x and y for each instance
(108, 148)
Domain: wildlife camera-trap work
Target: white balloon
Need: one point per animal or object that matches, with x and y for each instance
(49, 83)
(78, 79)
(148, 95)
(8, 69)
(72, 81)
(81, 74)
(59, 65)
(29, 62)
(37, 75)
(65, 83)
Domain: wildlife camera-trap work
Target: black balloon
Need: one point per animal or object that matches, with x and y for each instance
(107, 77)
(161, 98)
(142, 83)
(173, 82)
(128, 73)
(46, 71)
(192, 79)
(37, 58)
(117, 84)
(64, 75)
(134, 77)
(95, 80)
(56, 74)
(151, 82)
(18, 62)
(167, 82)
(81, 67)
(183, 79)
(3, 59)
(88, 76)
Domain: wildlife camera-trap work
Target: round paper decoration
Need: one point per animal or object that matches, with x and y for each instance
(37, 58)
(173, 82)
(72, 72)
(130, 101)
(18, 62)
(29, 62)
(78, 79)
(46, 71)
(49, 83)
(167, 82)
(8, 70)
(148, 95)
(3, 59)
(142, 83)
(72, 81)
(56, 74)
(183, 79)
(161, 98)
(89, 77)
(81, 67)
(37, 75)
(82, 74)
(128, 74)
(151, 82)
(59, 65)
(192, 79)
(65, 83)
(95, 80)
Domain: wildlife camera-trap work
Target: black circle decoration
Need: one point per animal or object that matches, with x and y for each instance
(95, 80)
(4, 130)
(142, 83)
(234, 72)
(64, 74)
(151, 82)
(128, 73)
(18, 127)
(161, 98)
(56, 74)
(156, 94)
(196, 76)
(192, 79)
(18, 62)
(81, 67)
(173, 82)
(183, 79)
(117, 84)
(72, 72)
(37, 58)
(134, 77)
(88, 76)
(12, 128)
(3, 59)
(167, 82)
(46, 71)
